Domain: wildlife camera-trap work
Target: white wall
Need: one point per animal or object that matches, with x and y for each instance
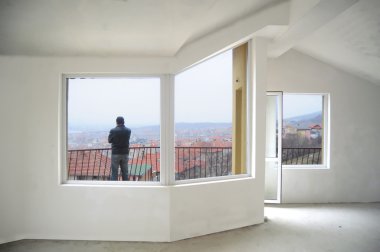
(355, 136)
(200, 209)
(35, 205)
(12, 153)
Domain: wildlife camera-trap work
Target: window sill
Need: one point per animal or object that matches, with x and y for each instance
(305, 167)
(84, 183)
(211, 179)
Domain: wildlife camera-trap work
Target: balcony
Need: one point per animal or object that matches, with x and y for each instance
(301, 156)
(190, 162)
(144, 163)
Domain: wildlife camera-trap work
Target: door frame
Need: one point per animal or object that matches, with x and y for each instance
(279, 94)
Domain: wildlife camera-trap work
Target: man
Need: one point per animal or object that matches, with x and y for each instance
(119, 138)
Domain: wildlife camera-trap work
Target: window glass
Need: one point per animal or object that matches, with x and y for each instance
(204, 115)
(93, 104)
(303, 129)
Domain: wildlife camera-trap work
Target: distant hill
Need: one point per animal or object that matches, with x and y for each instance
(206, 125)
(304, 121)
(146, 128)
(72, 128)
(151, 128)
(183, 126)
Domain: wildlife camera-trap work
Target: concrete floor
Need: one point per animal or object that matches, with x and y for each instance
(292, 227)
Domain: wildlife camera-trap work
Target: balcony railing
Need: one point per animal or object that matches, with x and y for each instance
(144, 163)
(190, 162)
(202, 162)
(301, 156)
(95, 164)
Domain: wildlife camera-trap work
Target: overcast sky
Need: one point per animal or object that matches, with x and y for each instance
(100, 101)
(203, 93)
(296, 105)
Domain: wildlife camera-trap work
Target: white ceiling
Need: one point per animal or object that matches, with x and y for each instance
(113, 27)
(349, 40)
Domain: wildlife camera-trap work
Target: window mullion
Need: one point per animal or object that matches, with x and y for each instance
(167, 130)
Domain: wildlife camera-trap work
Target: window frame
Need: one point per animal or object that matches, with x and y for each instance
(249, 122)
(63, 143)
(167, 127)
(326, 135)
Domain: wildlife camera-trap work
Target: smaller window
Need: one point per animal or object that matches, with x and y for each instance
(304, 132)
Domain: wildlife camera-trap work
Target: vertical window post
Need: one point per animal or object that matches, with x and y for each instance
(239, 109)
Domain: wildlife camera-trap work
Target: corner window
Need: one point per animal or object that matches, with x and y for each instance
(305, 131)
(93, 104)
(211, 117)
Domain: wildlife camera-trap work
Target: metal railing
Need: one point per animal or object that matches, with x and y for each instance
(202, 162)
(301, 156)
(144, 163)
(190, 162)
(95, 164)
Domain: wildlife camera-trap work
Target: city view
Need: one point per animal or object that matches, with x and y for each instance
(187, 134)
(203, 133)
(203, 124)
(202, 150)
(302, 131)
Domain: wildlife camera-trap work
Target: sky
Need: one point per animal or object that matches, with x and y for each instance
(298, 104)
(99, 101)
(203, 93)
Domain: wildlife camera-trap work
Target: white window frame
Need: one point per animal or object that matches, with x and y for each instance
(249, 125)
(326, 135)
(167, 128)
(63, 178)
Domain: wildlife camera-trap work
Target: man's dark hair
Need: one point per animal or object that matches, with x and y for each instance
(120, 120)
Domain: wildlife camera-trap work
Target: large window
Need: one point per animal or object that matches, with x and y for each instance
(211, 101)
(92, 107)
(304, 132)
(210, 117)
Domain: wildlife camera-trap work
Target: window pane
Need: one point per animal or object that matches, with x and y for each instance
(203, 119)
(302, 130)
(271, 127)
(93, 105)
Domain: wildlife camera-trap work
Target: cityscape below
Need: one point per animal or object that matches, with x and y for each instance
(187, 134)
(201, 149)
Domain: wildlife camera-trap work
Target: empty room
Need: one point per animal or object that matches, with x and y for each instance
(190, 125)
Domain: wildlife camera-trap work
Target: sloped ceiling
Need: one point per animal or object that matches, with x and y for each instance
(342, 33)
(113, 27)
(351, 41)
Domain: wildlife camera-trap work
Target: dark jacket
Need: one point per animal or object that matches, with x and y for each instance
(119, 138)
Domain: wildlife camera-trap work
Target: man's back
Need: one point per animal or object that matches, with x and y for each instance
(119, 138)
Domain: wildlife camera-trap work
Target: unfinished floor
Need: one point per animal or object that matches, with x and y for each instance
(289, 227)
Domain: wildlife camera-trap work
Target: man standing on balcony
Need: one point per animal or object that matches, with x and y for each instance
(119, 138)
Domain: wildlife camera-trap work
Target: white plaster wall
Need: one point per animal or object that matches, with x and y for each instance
(355, 137)
(35, 205)
(12, 153)
(199, 209)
